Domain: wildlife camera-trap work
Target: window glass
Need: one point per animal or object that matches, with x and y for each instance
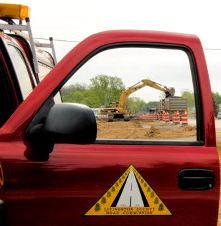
(43, 70)
(57, 98)
(137, 94)
(21, 71)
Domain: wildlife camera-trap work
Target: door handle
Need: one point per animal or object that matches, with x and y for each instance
(196, 179)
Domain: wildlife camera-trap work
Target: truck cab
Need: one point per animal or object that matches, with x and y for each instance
(59, 167)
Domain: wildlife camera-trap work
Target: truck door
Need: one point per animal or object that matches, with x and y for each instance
(146, 171)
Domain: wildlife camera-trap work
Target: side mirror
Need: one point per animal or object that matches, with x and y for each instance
(64, 123)
(71, 123)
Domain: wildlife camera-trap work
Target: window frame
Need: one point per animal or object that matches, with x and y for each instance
(200, 139)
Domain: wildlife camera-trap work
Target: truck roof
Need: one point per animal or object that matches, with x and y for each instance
(171, 37)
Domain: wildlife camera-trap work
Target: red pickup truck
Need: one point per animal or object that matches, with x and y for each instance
(54, 171)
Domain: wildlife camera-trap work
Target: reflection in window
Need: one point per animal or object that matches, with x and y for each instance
(43, 70)
(20, 70)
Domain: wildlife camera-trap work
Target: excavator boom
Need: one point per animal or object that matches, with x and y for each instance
(120, 111)
(169, 92)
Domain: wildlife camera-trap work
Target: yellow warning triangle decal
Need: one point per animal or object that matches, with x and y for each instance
(130, 195)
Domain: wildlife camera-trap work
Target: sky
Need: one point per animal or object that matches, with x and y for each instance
(167, 67)
(76, 19)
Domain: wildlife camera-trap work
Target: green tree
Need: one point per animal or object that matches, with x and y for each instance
(73, 93)
(107, 88)
(102, 91)
(135, 105)
(190, 99)
(91, 99)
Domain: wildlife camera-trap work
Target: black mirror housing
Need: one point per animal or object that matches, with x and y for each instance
(70, 123)
(61, 123)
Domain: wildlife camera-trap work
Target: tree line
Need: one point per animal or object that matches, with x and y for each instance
(101, 91)
(104, 91)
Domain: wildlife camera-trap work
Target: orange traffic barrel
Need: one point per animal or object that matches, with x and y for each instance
(166, 117)
(184, 119)
(176, 117)
(154, 116)
(163, 116)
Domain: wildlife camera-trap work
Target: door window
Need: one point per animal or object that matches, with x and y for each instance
(138, 93)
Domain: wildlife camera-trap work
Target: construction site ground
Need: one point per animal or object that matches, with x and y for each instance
(144, 129)
(139, 129)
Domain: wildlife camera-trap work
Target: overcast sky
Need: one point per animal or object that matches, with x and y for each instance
(76, 19)
(167, 67)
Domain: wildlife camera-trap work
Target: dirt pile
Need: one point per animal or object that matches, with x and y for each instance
(152, 132)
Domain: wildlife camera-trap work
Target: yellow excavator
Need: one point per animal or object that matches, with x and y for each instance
(119, 111)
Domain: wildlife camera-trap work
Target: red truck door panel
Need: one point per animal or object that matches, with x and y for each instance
(62, 190)
(111, 182)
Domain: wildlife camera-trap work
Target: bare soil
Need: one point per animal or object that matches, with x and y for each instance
(141, 129)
